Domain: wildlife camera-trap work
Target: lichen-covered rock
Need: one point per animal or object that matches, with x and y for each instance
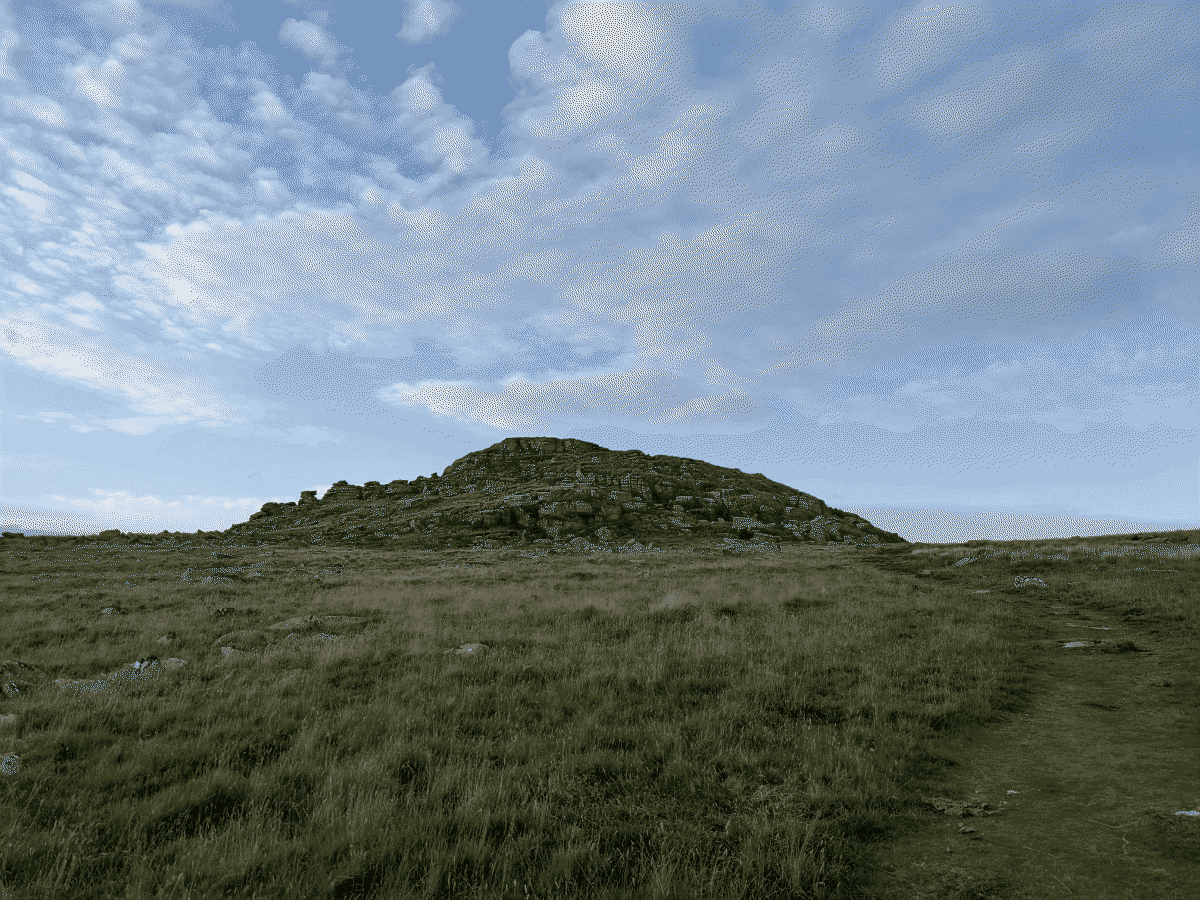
(342, 492)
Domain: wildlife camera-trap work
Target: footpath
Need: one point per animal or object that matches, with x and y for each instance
(1092, 778)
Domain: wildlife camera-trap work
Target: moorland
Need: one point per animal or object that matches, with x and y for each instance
(1011, 719)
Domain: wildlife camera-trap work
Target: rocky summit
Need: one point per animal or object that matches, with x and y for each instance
(567, 494)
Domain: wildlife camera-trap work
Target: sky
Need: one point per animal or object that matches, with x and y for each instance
(936, 265)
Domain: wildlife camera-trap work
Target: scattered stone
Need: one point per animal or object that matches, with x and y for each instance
(21, 679)
(1029, 582)
(18, 678)
(469, 649)
(961, 808)
(965, 829)
(310, 621)
(127, 676)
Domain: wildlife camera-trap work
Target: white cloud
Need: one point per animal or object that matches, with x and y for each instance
(35, 203)
(9, 41)
(267, 109)
(524, 404)
(442, 136)
(623, 39)
(41, 110)
(427, 19)
(310, 39)
(149, 386)
(925, 39)
(26, 180)
(595, 64)
(987, 96)
(101, 83)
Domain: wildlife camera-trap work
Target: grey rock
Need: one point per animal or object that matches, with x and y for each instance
(960, 808)
(310, 621)
(469, 650)
(18, 678)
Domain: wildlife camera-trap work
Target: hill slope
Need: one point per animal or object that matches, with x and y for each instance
(568, 493)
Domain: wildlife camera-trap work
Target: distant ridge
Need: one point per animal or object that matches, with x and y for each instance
(568, 493)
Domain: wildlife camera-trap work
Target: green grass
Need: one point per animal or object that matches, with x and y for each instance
(642, 726)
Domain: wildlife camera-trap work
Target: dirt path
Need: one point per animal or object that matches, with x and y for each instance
(1090, 775)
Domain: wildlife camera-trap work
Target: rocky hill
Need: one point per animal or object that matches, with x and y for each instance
(568, 494)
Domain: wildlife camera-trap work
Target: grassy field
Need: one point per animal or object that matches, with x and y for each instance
(649, 725)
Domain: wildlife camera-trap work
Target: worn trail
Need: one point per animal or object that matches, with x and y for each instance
(1093, 771)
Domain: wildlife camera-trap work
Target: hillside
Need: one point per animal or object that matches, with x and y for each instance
(571, 494)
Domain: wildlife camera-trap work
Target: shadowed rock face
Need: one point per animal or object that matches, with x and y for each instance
(563, 492)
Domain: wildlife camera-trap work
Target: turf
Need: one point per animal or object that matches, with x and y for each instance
(634, 725)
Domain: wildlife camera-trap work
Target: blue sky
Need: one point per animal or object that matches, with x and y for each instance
(933, 264)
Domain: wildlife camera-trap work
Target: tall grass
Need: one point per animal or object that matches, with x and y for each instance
(644, 726)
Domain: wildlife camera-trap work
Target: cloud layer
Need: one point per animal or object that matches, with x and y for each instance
(959, 241)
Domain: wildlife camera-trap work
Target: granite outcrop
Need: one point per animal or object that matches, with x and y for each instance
(563, 491)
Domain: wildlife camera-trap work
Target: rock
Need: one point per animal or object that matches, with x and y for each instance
(18, 678)
(310, 621)
(469, 649)
(297, 622)
(298, 627)
(342, 492)
(127, 676)
(960, 808)
(244, 639)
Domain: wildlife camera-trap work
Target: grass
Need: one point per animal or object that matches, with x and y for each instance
(638, 726)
